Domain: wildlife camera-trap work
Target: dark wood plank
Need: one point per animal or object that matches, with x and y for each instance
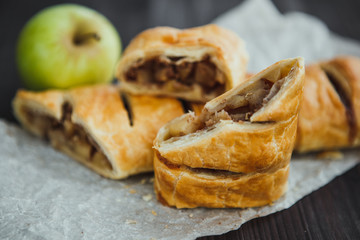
(332, 212)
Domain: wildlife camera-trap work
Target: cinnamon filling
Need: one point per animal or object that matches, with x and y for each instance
(68, 137)
(238, 108)
(176, 74)
(245, 104)
(345, 99)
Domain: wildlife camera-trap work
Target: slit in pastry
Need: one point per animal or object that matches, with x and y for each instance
(107, 131)
(343, 89)
(127, 107)
(329, 118)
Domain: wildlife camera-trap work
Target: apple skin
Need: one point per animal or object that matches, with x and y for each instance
(51, 55)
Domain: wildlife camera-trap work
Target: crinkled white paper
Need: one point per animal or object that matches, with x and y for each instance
(271, 36)
(46, 195)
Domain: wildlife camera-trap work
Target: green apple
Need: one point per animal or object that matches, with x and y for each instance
(67, 45)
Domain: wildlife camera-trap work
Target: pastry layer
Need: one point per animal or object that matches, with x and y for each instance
(228, 145)
(185, 187)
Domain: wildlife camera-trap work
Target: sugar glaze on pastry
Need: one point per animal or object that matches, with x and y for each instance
(195, 64)
(109, 132)
(236, 153)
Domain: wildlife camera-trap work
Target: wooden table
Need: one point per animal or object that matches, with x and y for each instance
(333, 212)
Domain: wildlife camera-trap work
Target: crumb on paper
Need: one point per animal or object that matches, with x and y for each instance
(9, 132)
(151, 180)
(147, 197)
(330, 155)
(166, 226)
(143, 181)
(132, 191)
(154, 213)
(191, 215)
(126, 186)
(129, 221)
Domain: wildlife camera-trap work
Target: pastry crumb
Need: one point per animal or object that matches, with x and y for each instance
(151, 180)
(132, 191)
(330, 155)
(129, 221)
(147, 197)
(143, 181)
(191, 215)
(166, 226)
(154, 213)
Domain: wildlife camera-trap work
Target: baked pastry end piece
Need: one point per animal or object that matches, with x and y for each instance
(195, 64)
(107, 131)
(329, 117)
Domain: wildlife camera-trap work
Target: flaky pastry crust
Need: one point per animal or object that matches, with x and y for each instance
(329, 117)
(92, 125)
(248, 132)
(175, 50)
(217, 190)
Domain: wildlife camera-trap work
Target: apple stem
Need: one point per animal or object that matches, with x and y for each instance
(80, 39)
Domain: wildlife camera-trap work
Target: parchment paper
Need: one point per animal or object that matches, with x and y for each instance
(46, 195)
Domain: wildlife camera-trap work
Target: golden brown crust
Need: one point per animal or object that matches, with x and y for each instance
(322, 117)
(225, 49)
(48, 102)
(100, 111)
(257, 150)
(188, 188)
(219, 147)
(325, 120)
(347, 68)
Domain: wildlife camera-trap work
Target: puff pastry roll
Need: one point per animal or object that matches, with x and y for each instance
(108, 132)
(329, 117)
(236, 153)
(195, 64)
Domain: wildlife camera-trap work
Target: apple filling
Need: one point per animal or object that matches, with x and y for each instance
(237, 108)
(68, 137)
(178, 74)
(243, 105)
